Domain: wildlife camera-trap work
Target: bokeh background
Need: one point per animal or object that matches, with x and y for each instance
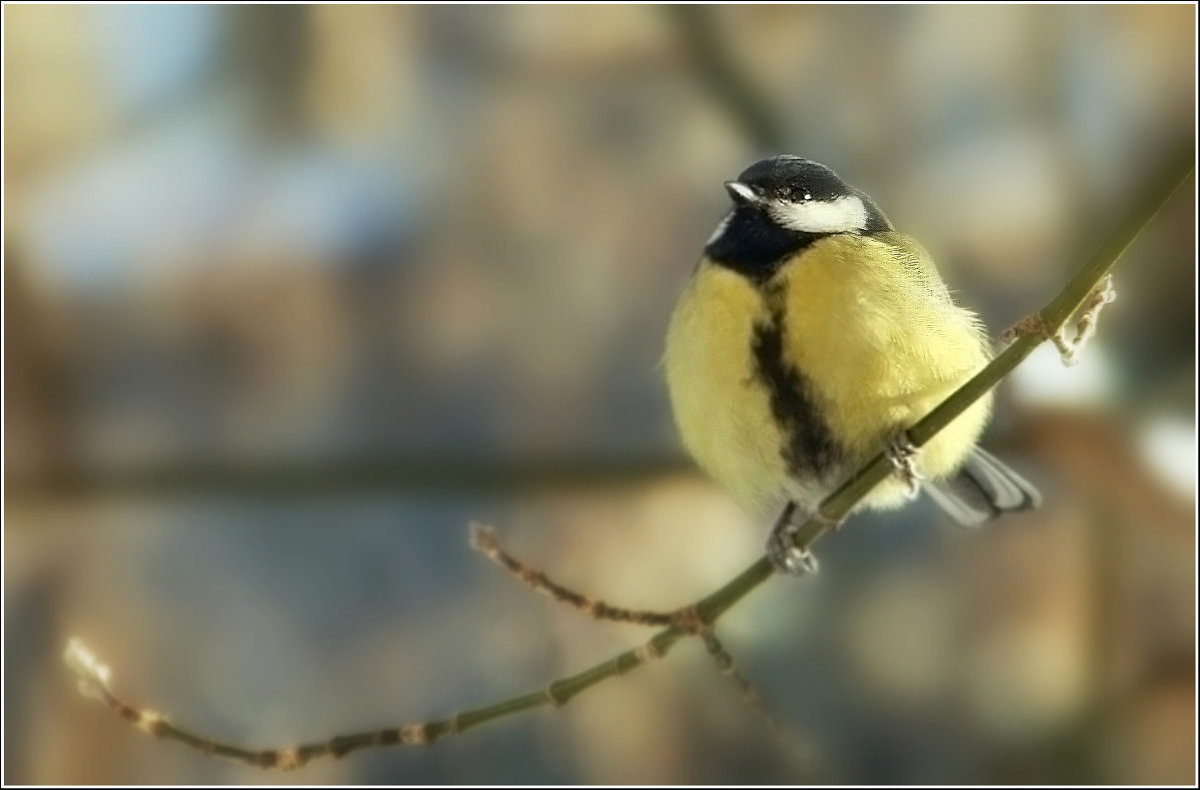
(292, 295)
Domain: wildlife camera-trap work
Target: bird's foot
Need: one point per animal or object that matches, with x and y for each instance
(903, 453)
(782, 550)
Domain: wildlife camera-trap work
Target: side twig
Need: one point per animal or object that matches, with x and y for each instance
(483, 539)
(696, 619)
(1085, 326)
(749, 695)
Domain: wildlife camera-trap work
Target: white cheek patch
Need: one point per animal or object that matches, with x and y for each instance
(841, 215)
(720, 231)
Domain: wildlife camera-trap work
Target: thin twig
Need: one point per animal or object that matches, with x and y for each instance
(94, 677)
(1089, 318)
(723, 660)
(1085, 326)
(483, 539)
(94, 681)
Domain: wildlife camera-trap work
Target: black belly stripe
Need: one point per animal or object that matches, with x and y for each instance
(809, 448)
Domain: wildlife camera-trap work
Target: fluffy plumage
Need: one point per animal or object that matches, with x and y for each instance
(797, 352)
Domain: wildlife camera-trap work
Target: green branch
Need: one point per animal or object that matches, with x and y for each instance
(843, 499)
(691, 620)
(1053, 317)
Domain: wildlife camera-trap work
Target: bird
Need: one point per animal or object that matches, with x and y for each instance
(809, 337)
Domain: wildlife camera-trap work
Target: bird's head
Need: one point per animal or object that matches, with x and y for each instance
(801, 195)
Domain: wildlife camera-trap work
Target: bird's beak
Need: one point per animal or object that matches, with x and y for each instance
(741, 194)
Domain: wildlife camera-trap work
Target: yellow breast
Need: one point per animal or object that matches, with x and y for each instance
(873, 327)
(721, 408)
(874, 333)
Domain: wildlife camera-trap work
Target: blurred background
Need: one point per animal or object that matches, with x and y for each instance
(292, 295)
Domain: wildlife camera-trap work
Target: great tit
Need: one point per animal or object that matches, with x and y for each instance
(810, 336)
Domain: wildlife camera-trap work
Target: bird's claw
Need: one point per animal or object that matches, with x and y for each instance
(786, 556)
(902, 453)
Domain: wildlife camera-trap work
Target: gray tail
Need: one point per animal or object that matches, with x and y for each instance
(984, 488)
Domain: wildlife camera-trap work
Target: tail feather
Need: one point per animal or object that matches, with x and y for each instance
(984, 488)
